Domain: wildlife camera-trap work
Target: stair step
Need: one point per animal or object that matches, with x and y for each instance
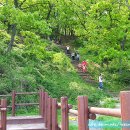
(83, 74)
(39, 126)
(75, 62)
(25, 120)
(86, 76)
(80, 72)
(90, 81)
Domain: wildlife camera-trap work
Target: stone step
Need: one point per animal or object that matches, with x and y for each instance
(38, 126)
(90, 81)
(83, 74)
(68, 54)
(25, 120)
(74, 62)
(86, 77)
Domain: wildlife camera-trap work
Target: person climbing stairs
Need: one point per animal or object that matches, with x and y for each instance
(86, 76)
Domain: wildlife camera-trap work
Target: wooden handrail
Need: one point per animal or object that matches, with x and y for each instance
(59, 106)
(26, 93)
(3, 109)
(20, 93)
(48, 109)
(14, 94)
(91, 116)
(26, 104)
(9, 106)
(75, 112)
(5, 95)
(105, 111)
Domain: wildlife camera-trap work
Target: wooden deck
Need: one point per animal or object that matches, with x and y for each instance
(26, 123)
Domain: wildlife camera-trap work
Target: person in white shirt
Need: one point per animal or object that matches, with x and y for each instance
(67, 49)
(100, 81)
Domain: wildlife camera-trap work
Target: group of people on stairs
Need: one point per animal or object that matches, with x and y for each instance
(83, 65)
(75, 56)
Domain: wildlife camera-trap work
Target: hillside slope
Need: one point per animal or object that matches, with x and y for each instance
(23, 71)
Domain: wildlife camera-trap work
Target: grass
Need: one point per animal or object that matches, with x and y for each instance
(73, 127)
(58, 79)
(108, 103)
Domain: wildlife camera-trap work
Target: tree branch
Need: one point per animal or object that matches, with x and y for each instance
(22, 3)
(127, 4)
(16, 3)
(50, 9)
(33, 5)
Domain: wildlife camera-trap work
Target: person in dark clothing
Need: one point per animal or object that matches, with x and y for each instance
(73, 56)
(77, 57)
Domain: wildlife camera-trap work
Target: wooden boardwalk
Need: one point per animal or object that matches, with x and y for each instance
(26, 123)
(40, 126)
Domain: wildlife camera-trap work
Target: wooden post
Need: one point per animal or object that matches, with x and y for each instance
(83, 113)
(40, 102)
(49, 114)
(3, 114)
(13, 103)
(43, 104)
(125, 109)
(46, 105)
(64, 113)
(54, 114)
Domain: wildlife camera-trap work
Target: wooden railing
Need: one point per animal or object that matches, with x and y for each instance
(48, 110)
(14, 104)
(49, 107)
(85, 113)
(3, 109)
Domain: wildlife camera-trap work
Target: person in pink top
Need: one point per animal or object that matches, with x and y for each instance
(84, 65)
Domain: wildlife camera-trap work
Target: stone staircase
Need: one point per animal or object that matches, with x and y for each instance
(26, 123)
(85, 76)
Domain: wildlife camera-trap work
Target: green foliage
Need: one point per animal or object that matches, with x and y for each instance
(62, 62)
(73, 127)
(4, 40)
(108, 103)
(78, 43)
(102, 32)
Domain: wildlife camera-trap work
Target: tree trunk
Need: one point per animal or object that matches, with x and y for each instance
(12, 38)
(10, 45)
(127, 4)
(124, 41)
(16, 3)
(49, 11)
(122, 48)
(8, 28)
(120, 69)
(65, 31)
